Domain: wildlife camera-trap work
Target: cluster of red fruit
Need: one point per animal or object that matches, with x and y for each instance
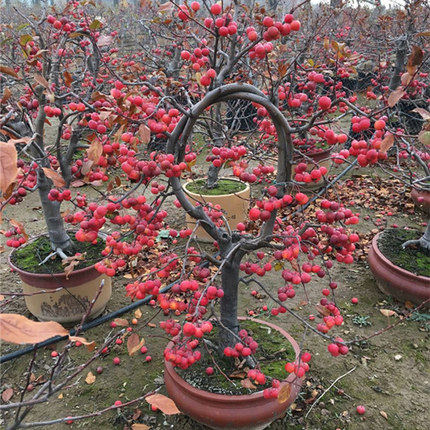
(313, 176)
(52, 111)
(221, 155)
(62, 24)
(59, 196)
(300, 367)
(15, 240)
(245, 348)
(183, 356)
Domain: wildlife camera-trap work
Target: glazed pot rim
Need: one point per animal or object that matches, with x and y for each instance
(247, 187)
(44, 275)
(392, 265)
(310, 154)
(242, 397)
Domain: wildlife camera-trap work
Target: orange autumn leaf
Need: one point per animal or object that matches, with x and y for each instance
(18, 329)
(166, 405)
(8, 165)
(54, 176)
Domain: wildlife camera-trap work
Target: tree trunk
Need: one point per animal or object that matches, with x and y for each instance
(423, 241)
(401, 54)
(230, 283)
(51, 210)
(218, 140)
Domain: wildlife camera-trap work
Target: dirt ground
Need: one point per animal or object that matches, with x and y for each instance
(391, 377)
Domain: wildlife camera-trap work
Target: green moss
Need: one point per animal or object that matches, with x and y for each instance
(272, 354)
(29, 256)
(413, 259)
(224, 186)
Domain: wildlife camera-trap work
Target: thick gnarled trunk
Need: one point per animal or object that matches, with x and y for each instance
(54, 221)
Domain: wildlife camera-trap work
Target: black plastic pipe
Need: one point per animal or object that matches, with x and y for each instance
(86, 326)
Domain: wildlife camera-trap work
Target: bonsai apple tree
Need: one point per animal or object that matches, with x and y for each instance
(103, 108)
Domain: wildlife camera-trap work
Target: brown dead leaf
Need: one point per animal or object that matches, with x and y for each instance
(121, 322)
(67, 78)
(90, 345)
(18, 329)
(409, 305)
(134, 344)
(20, 226)
(95, 150)
(238, 374)
(166, 405)
(54, 176)
(322, 310)
(384, 414)
(284, 393)
(423, 112)
(152, 325)
(8, 165)
(395, 96)
(136, 415)
(144, 134)
(246, 383)
(71, 262)
(138, 313)
(387, 142)
(7, 93)
(41, 80)
(90, 379)
(8, 71)
(7, 394)
(414, 59)
(139, 426)
(388, 312)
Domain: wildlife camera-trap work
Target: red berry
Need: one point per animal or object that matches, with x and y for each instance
(116, 361)
(361, 409)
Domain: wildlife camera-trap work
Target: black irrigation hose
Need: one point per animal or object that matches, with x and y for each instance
(86, 326)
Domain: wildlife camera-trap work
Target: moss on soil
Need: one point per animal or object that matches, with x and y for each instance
(224, 186)
(415, 260)
(272, 354)
(29, 256)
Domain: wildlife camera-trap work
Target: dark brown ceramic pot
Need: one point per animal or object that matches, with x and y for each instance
(227, 412)
(395, 281)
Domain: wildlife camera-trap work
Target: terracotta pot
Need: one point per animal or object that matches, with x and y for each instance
(234, 205)
(69, 304)
(395, 281)
(228, 412)
(422, 199)
(321, 158)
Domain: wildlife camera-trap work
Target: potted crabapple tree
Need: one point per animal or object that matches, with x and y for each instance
(64, 114)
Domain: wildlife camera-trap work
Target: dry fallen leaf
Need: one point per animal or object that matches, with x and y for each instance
(138, 426)
(18, 329)
(121, 322)
(60, 396)
(7, 394)
(284, 393)
(166, 405)
(134, 344)
(8, 164)
(138, 313)
(387, 312)
(246, 383)
(90, 379)
(384, 414)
